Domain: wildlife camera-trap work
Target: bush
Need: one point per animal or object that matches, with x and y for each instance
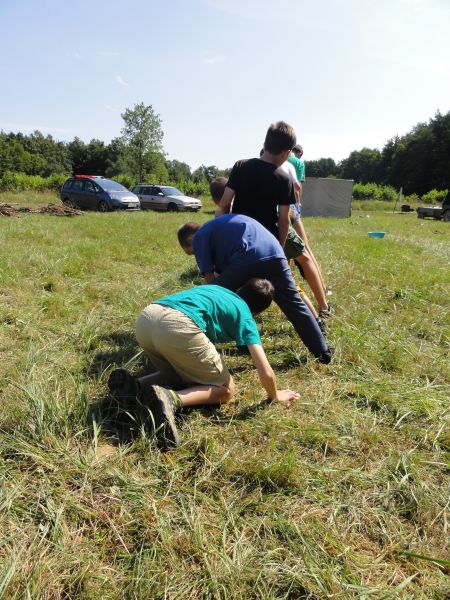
(195, 189)
(434, 196)
(411, 199)
(387, 193)
(56, 181)
(127, 181)
(365, 191)
(372, 191)
(20, 182)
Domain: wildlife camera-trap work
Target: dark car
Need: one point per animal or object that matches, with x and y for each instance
(165, 197)
(436, 212)
(97, 193)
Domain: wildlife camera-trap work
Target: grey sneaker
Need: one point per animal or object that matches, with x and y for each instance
(326, 313)
(162, 404)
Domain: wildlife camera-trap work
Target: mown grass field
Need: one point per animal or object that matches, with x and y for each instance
(343, 494)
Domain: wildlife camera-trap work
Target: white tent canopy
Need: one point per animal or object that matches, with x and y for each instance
(327, 197)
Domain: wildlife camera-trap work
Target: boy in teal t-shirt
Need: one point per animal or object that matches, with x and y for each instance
(220, 313)
(178, 333)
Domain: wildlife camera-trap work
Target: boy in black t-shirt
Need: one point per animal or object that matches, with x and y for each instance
(256, 186)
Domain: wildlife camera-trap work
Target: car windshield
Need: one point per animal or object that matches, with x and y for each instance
(171, 191)
(111, 186)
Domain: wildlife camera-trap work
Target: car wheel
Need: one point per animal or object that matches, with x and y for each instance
(172, 207)
(446, 216)
(102, 206)
(69, 203)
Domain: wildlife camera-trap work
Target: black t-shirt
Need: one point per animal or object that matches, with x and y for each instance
(259, 188)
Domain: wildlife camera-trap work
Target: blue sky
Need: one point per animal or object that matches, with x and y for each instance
(345, 73)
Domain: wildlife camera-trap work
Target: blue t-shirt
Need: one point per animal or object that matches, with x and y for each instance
(221, 314)
(233, 239)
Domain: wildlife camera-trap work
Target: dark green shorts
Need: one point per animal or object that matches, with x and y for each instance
(294, 245)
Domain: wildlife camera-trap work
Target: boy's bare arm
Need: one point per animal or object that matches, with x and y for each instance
(283, 223)
(226, 200)
(267, 376)
(297, 191)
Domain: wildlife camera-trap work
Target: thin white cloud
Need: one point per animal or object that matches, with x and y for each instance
(28, 127)
(438, 67)
(108, 54)
(121, 81)
(213, 60)
(76, 55)
(413, 2)
(110, 108)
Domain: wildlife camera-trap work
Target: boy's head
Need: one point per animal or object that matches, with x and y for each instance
(217, 187)
(280, 138)
(297, 150)
(185, 234)
(257, 293)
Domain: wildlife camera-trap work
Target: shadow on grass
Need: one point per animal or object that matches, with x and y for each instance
(117, 425)
(280, 360)
(213, 412)
(287, 362)
(191, 276)
(123, 425)
(124, 352)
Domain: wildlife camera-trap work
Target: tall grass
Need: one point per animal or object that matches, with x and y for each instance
(344, 494)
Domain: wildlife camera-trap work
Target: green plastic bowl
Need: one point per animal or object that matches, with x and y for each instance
(377, 234)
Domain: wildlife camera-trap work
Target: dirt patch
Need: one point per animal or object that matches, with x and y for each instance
(57, 210)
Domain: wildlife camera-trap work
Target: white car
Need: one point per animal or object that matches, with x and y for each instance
(165, 197)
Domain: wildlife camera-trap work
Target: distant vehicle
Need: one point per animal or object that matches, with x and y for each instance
(97, 193)
(436, 212)
(165, 197)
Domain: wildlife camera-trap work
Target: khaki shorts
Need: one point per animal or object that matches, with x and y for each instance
(294, 245)
(178, 348)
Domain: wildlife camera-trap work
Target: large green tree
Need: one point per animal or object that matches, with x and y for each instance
(362, 165)
(89, 158)
(142, 136)
(204, 172)
(324, 167)
(178, 171)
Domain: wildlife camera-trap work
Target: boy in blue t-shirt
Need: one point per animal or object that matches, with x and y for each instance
(178, 333)
(233, 248)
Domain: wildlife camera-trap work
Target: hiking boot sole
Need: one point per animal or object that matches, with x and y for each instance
(159, 401)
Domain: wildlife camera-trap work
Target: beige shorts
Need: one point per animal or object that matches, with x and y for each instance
(178, 348)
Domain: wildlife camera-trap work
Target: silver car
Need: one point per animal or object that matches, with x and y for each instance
(165, 197)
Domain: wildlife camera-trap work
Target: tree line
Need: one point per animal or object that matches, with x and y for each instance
(418, 161)
(38, 161)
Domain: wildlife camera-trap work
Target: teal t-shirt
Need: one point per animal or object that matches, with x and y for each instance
(299, 166)
(221, 314)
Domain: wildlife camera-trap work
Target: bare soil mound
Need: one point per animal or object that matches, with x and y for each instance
(57, 210)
